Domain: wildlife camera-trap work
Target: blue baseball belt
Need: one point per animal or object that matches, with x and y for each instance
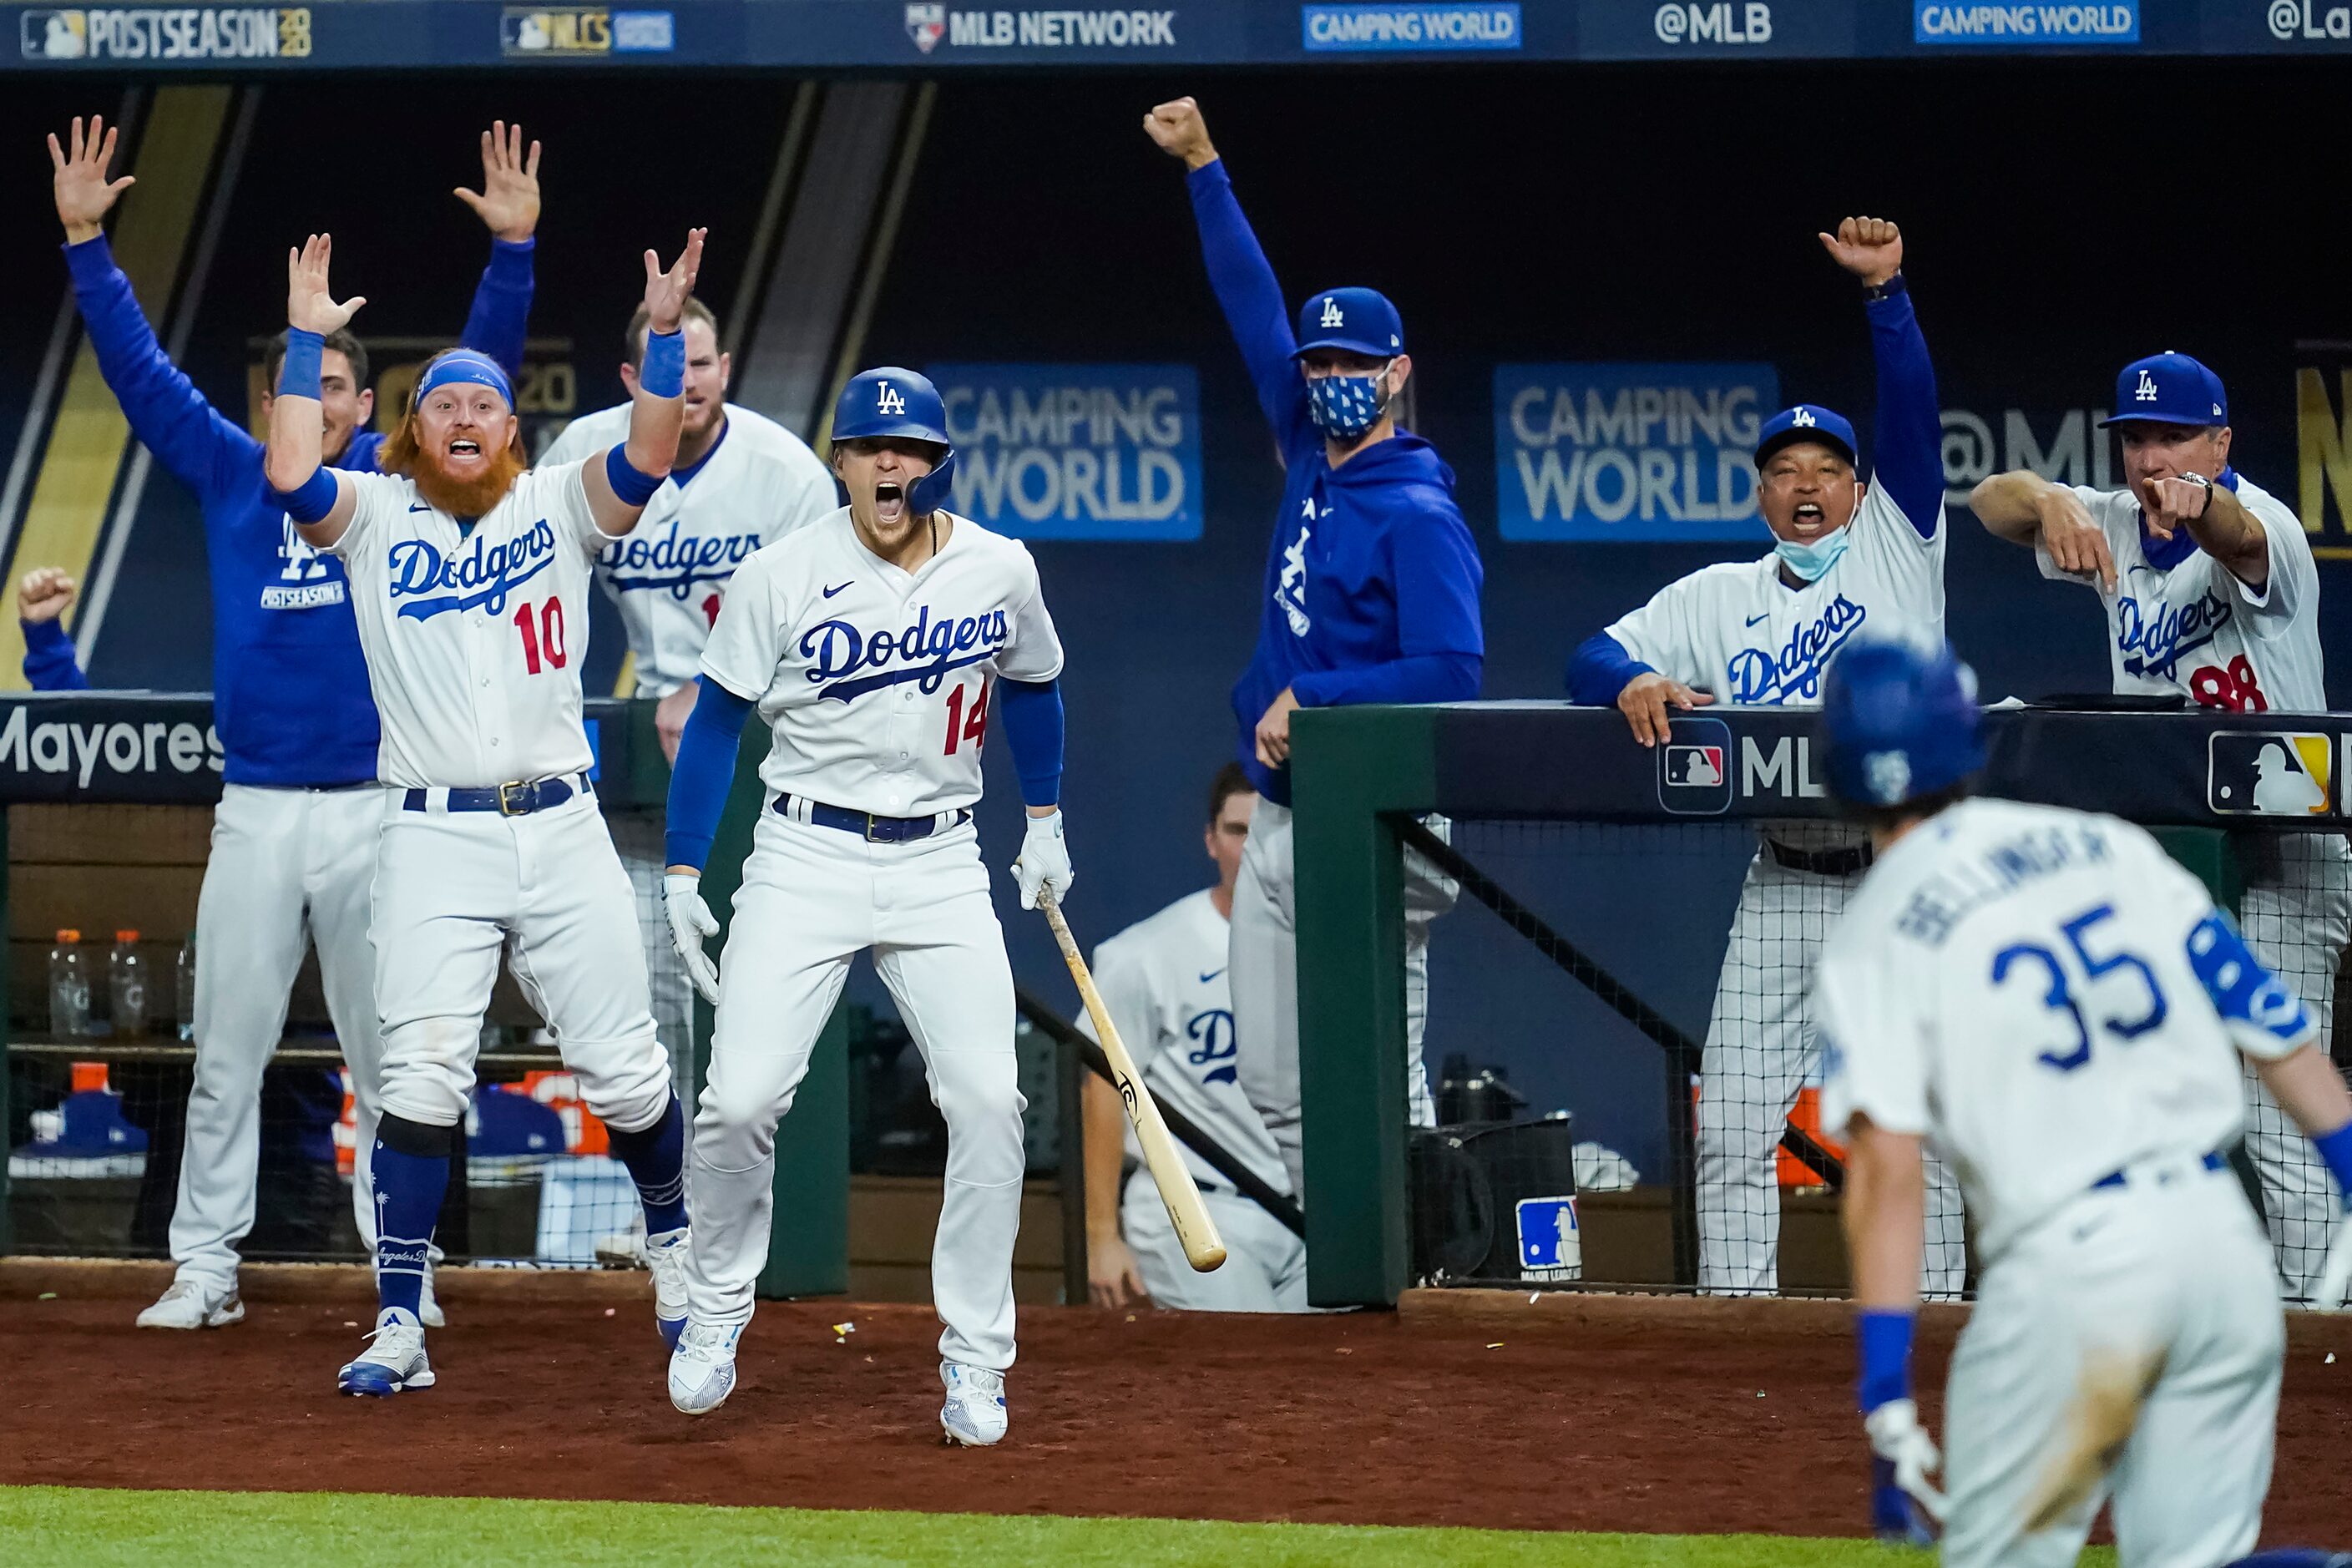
(864, 823)
(507, 799)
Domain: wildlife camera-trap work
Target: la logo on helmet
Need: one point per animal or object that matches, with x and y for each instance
(891, 403)
(1331, 316)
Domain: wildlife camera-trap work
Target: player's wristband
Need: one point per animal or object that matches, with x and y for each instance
(297, 374)
(313, 500)
(2335, 1148)
(1885, 1341)
(634, 487)
(663, 374)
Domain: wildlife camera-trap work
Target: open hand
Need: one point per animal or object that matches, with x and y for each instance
(1644, 700)
(1869, 247)
(666, 292)
(83, 192)
(2076, 544)
(507, 203)
(45, 593)
(1181, 132)
(1113, 1280)
(308, 304)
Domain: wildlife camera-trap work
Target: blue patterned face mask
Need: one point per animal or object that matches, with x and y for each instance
(1813, 561)
(1344, 406)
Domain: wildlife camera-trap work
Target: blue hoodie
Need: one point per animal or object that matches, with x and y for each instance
(1373, 578)
(290, 694)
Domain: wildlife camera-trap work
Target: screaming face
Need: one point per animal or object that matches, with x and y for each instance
(462, 447)
(1807, 491)
(878, 472)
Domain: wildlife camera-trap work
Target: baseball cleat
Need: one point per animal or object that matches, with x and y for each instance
(429, 1307)
(189, 1305)
(666, 1255)
(974, 1413)
(702, 1367)
(394, 1363)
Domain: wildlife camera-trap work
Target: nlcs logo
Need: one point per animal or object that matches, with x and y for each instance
(891, 403)
(1331, 316)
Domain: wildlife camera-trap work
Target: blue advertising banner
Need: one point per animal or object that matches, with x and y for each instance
(1075, 452)
(1636, 453)
(2024, 24)
(1691, 29)
(1433, 25)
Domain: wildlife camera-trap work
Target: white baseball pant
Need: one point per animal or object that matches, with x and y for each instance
(288, 867)
(1265, 1268)
(2168, 1277)
(813, 898)
(454, 890)
(1263, 972)
(638, 836)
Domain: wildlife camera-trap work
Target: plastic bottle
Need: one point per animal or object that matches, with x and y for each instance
(69, 988)
(126, 985)
(187, 989)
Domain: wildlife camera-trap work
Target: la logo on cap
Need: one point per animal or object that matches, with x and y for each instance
(891, 403)
(1804, 417)
(2146, 391)
(1331, 316)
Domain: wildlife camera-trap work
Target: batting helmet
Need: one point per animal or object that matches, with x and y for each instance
(895, 402)
(1902, 721)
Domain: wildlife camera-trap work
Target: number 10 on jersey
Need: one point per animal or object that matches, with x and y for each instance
(541, 626)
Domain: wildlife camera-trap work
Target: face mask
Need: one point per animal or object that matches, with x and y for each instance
(1813, 561)
(1344, 406)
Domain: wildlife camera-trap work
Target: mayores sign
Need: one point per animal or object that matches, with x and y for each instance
(1075, 452)
(1629, 452)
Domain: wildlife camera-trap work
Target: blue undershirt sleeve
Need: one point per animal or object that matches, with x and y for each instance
(1599, 669)
(704, 772)
(1032, 715)
(1907, 457)
(1250, 296)
(500, 319)
(49, 662)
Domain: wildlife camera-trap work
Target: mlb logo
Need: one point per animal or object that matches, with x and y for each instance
(2262, 772)
(1550, 1246)
(927, 25)
(1694, 767)
(55, 35)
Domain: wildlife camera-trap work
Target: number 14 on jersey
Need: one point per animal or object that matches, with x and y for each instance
(972, 726)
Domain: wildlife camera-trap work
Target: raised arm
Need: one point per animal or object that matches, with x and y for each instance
(1907, 458)
(1245, 283)
(2023, 507)
(507, 204)
(320, 500)
(171, 419)
(619, 486)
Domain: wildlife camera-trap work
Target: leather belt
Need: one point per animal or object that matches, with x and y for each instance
(519, 799)
(1851, 861)
(2213, 1161)
(864, 823)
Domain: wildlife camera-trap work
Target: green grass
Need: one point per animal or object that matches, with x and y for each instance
(194, 1530)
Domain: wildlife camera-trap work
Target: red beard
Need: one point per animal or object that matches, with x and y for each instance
(467, 498)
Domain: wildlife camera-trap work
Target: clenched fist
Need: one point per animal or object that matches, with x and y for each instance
(44, 594)
(1869, 247)
(1182, 133)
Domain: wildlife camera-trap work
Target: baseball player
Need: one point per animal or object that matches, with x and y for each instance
(2045, 998)
(1370, 595)
(741, 481)
(875, 645)
(1845, 555)
(2212, 593)
(1163, 980)
(293, 838)
(469, 576)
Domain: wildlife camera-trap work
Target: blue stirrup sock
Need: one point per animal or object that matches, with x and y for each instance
(412, 1176)
(655, 1157)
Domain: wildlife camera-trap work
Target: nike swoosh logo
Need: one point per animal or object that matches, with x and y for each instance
(1760, 620)
(829, 593)
(1211, 976)
(420, 506)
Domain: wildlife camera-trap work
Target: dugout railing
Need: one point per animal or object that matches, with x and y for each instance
(1547, 819)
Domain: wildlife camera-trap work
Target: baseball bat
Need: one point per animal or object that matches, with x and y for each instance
(1203, 1248)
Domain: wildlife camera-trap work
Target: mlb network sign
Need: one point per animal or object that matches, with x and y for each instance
(2024, 26)
(167, 33)
(1444, 25)
(1075, 452)
(1629, 452)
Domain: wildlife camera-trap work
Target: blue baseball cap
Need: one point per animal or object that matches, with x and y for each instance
(1806, 422)
(465, 366)
(1360, 320)
(2169, 389)
(1901, 719)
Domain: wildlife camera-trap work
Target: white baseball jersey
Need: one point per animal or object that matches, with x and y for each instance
(873, 681)
(669, 577)
(2191, 627)
(474, 638)
(2047, 998)
(1737, 630)
(1163, 982)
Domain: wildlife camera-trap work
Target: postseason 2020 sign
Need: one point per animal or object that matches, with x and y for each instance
(1635, 453)
(1075, 452)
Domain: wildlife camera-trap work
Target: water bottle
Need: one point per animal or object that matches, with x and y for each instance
(126, 985)
(187, 989)
(69, 988)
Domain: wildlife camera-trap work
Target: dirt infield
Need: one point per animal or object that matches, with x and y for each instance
(1624, 1415)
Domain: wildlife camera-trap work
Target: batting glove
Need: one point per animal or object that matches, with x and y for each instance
(1896, 1437)
(691, 920)
(1045, 861)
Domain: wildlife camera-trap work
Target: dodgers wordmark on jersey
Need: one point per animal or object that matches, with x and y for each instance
(1739, 631)
(470, 634)
(669, 576)
(2179, 621)
(2047, 998)
(875, 679)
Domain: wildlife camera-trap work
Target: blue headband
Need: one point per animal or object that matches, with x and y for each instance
(464, 366)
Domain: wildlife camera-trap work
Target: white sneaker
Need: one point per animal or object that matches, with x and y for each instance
(394, 1361)
(666, 1255)
(428, 1306)
(188, 1305)
(702, 1367)
(974, 1413)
